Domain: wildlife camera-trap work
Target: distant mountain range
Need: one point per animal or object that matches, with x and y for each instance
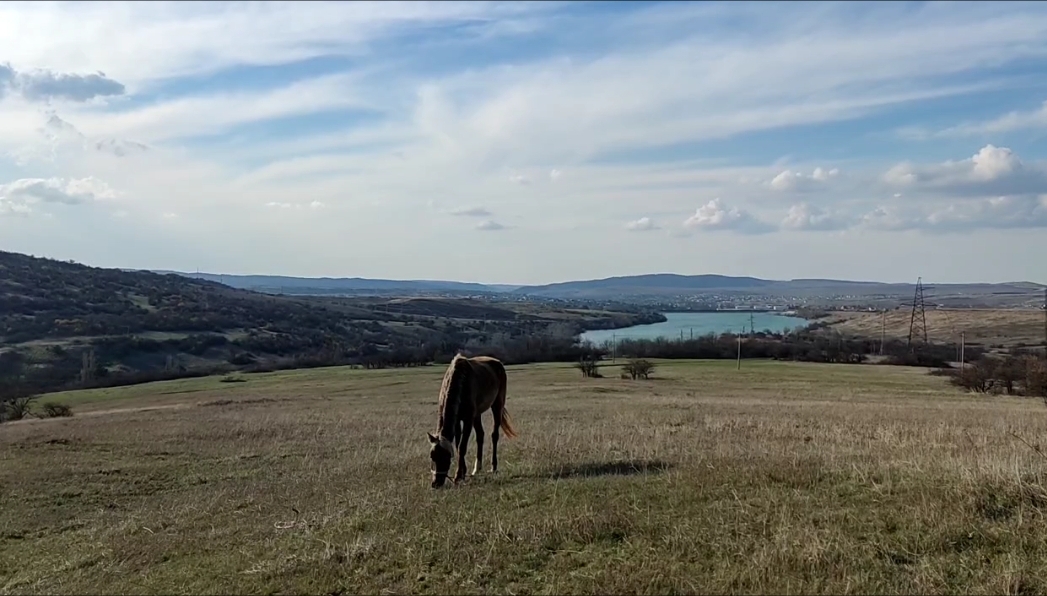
(650, 286)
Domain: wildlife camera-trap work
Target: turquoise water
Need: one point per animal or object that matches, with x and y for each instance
(698, 323)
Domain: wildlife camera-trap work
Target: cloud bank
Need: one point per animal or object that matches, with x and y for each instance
(318, 132)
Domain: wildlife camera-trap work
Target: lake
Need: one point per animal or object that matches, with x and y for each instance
(699, 323)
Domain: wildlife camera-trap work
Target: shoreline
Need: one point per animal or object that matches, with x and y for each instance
(790, 314)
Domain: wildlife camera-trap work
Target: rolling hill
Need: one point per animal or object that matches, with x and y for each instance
(55, 316)
(646, 287)
(282, 284)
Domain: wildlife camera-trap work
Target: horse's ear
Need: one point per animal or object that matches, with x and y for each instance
(432, 439)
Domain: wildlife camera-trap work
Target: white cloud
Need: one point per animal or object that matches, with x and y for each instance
(20, 195)
(813, 218)
(554, 174)
(471, 212)
(213, 113)
(1004, 213)
(714, 215)
(159, 41)
(44, 85)
(1015, 120)
(14, 208)
(285, 205)
(991, 163)
(703, 88)
(489, 225)
(60, 137)
(888, 218)
(641, 225)
(998, 212)
(991, 171)
(789, 180)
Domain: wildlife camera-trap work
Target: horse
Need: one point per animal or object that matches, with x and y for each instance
(470, 387)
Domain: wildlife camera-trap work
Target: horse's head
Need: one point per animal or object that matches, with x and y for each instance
(440, 453)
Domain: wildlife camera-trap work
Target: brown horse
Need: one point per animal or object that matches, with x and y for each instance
(470, 386)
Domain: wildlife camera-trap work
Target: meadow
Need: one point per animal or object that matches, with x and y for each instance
(776, 478)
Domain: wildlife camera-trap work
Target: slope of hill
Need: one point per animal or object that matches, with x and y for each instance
(322, 285)
(1010, 327)
(55, 317)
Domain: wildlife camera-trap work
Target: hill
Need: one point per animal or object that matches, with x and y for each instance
(657, 282)
(999, 327)
(658, 287)
(667, 285)
(281, 284)
(61, 322)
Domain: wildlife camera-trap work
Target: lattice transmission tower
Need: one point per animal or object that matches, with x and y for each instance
(918, 319)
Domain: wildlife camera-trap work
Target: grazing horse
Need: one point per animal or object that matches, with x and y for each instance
(470, 386)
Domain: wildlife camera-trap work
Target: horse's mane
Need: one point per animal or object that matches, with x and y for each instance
(450, 394)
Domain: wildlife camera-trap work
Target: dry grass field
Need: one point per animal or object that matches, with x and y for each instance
(778, 478)
(989, 327)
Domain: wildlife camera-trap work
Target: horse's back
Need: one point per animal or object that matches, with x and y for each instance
(491, 376)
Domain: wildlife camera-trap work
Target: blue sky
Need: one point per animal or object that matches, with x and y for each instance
(529, 142)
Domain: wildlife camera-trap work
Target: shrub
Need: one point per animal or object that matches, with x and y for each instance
(1014, 374)
(55, 410)
(16, 408)
(588, 367)
(978, 376)
(1036, 378)
(638, 368)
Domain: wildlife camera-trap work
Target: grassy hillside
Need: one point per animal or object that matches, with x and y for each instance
(135, 323)
(778, 478)
(989, 327)
(321, 285)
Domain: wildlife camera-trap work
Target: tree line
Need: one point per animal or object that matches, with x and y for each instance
(556, 342)
(810, 345)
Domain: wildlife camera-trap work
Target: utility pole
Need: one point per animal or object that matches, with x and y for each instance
(883, 329)
(739, 352)
(1045, 323)
(614, 347)
(963, 345)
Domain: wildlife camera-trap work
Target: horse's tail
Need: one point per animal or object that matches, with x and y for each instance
(506, 422)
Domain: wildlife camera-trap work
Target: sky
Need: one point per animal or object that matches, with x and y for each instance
(530, 142)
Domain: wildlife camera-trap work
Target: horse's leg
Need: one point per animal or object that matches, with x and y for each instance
(463, 445)
(478, 426)
(496, 409)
